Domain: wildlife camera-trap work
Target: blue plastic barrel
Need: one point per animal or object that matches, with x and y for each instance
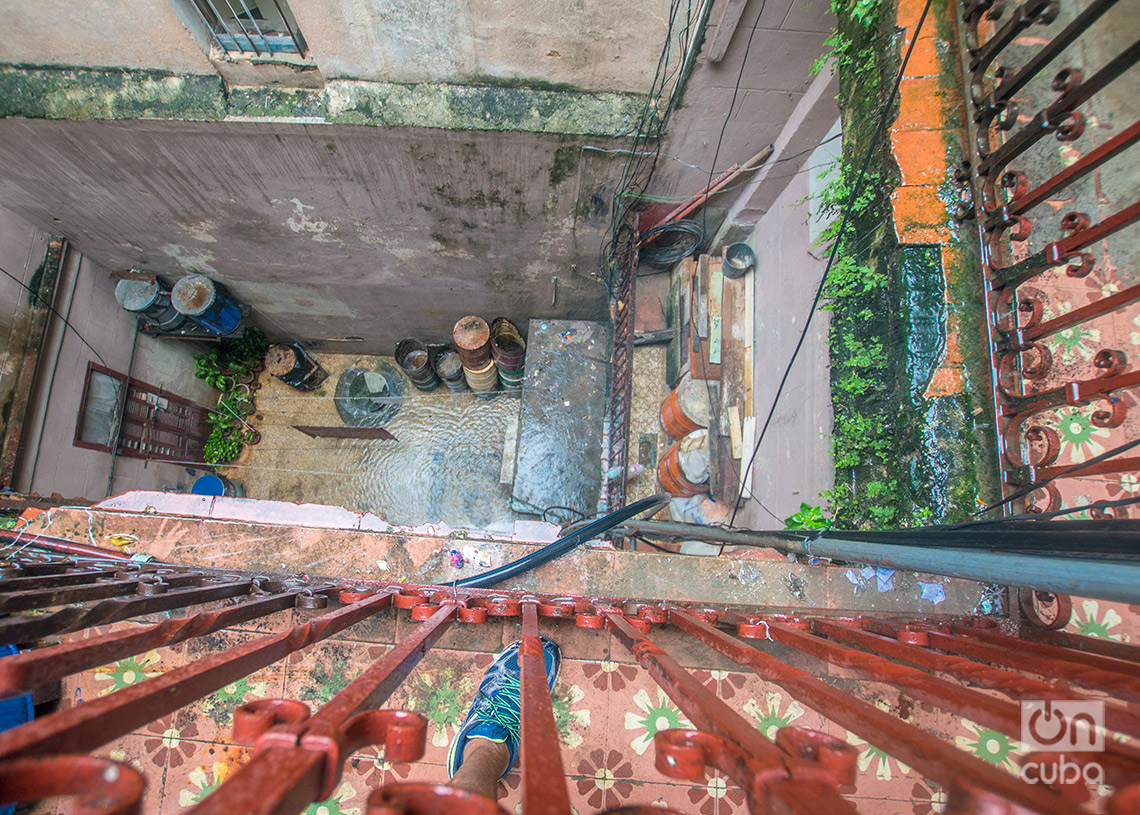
(211, 484)
(203, 301)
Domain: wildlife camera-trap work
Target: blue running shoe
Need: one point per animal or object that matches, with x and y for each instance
(496, 712)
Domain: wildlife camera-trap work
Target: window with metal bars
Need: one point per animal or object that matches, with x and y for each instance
(252, 27)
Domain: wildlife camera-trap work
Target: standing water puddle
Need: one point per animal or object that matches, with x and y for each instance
(444, 466)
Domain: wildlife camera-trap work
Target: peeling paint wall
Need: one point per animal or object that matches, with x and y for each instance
(594, 45)
(329, 231)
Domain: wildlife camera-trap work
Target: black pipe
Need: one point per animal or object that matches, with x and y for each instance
(563, 545)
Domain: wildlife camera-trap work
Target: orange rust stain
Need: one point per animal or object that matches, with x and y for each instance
(921, 156)
(920, 215)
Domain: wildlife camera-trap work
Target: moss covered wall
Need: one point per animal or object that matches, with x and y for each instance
(911, 440)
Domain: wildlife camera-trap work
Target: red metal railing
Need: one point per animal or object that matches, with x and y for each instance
(623, 289)
(298, 754)
(1041, 77)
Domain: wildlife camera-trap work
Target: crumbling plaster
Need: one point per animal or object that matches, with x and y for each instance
(586, 45)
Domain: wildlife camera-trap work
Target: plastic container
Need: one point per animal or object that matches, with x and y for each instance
(146, 298)
(449, 368)
(211, 484)
(482, 380)
(472, 338)
(686, 408)
(684, 469)
(508, 349)
(294, 366)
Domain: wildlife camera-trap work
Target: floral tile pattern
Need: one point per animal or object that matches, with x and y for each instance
(606, 714)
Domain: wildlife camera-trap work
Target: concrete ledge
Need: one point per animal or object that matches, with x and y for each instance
(84, 93)
(462, 107)
(753, 579)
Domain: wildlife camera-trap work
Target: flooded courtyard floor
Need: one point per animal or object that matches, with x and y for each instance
(445, 464)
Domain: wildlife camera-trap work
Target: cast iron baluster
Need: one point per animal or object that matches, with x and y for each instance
(917, 748)
(21, 673)
(729, 743)
(100, 720)
(298, 758)
(543, 780)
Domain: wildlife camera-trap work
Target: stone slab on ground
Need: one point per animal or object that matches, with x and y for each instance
(563, 412)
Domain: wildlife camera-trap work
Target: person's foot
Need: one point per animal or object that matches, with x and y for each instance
(495, 713)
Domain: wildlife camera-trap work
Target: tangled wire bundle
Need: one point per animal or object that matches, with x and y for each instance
(678, 240)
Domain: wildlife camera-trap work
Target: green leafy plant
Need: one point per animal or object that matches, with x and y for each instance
(221, 368)
(808, 517)
(221, 447)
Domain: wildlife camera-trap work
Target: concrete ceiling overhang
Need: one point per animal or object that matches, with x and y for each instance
(329, 231)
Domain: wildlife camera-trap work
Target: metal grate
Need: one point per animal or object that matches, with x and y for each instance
(259, 27)
(967, 667)
(621, 367)
(1044, 229)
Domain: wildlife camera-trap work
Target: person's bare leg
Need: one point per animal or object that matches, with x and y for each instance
(484, 761)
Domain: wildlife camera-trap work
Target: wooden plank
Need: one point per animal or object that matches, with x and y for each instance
(735, 430)
(749, 309)
(749, 443)
(699, 365)
(725, 17)
(716, 293)
(701, 297)
(20, 399)
(343, 432)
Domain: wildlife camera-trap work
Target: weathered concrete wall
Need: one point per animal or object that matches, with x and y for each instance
(789, 37)
(794, 463)
(48, 460)
(328, 231)
(592, 45)
(104, 34)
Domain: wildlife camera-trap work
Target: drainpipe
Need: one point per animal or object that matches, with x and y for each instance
(931, 551)
(64, 251)
(122, 408)
(695, 40)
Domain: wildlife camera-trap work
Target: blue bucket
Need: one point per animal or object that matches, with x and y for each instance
(211, 484)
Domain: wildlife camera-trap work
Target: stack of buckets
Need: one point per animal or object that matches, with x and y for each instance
(412, 356)
(508, 349)
(449, 367)
(472, 338)
(685, 415)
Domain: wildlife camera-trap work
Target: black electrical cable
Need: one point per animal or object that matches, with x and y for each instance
(856, 188)
(684, 238)
(562, 545)
(51, 308)
(1075, 468)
